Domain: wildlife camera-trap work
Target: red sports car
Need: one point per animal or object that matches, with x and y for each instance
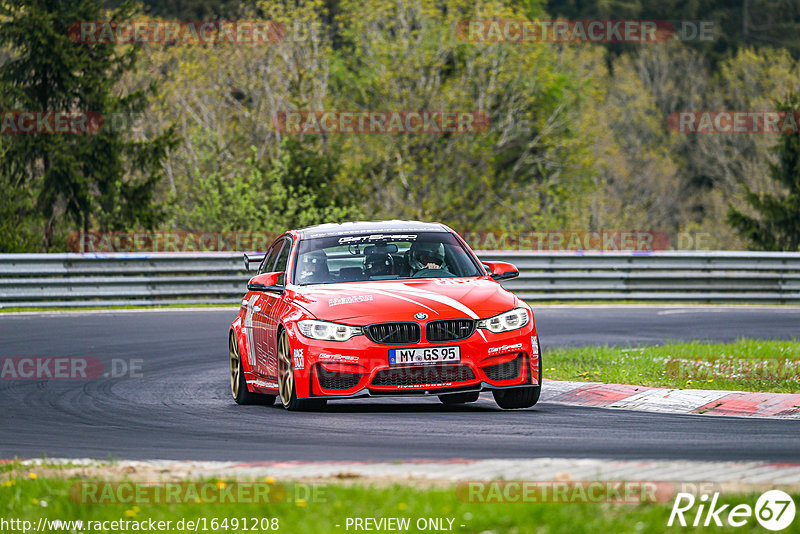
(381, 308)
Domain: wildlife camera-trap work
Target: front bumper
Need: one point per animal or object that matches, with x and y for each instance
(359, 367)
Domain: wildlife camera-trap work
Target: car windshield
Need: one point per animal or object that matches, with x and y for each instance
(391, 256)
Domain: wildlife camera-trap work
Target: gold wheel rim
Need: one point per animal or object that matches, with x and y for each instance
(285, 371)
(233, 348)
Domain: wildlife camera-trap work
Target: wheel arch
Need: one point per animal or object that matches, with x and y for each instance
(302, 377)
(241, 340)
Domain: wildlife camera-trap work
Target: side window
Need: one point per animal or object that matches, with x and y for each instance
(269, 259)
(283, 260)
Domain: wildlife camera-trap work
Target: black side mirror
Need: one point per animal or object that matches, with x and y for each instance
(262, 287)
(506, 276)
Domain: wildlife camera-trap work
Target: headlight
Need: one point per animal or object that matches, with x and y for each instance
(510, 320)
(328, 331)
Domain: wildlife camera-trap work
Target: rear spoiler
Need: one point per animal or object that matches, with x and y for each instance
(252, 257)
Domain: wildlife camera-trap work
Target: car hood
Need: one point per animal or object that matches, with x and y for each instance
(362, 303)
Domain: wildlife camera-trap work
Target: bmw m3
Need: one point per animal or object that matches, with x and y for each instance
(398, 308)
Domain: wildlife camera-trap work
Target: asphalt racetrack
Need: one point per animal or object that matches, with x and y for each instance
(180, 407)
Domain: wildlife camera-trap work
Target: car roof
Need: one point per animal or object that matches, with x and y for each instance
(359, 227)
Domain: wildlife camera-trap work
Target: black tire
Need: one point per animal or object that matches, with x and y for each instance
(515, 398)
(238, 381)
(286, 388)
(523, 397)
(460, 398)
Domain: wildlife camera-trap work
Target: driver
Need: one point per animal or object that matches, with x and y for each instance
(426, 256)
(313, 267)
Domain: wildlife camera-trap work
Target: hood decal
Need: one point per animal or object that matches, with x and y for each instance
(443, 299)
(396, 296)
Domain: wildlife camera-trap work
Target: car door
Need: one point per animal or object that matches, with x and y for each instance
(255, 322)
(273, 308)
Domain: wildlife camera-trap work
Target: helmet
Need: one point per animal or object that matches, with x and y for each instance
(379, 264)
(313, 267)
(421, 254)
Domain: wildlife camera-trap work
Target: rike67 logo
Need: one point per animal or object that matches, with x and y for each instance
(774, 510)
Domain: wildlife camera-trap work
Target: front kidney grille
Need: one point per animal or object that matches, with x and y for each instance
(504, 371)
(449, 330)
(413, 376)
(394, 333)
(335, 380)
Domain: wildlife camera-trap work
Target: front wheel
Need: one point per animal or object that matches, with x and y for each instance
(286, 388)
(515, 398)
(524, 397)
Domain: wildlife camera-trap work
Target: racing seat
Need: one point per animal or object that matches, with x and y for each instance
(314, 268)
(401, 265)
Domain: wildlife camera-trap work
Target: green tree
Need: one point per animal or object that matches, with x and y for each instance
(529, 169)
(295, 189)
(17, 219)
(104, 179)
(778, 225)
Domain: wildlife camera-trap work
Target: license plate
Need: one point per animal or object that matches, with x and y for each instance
(424, 356)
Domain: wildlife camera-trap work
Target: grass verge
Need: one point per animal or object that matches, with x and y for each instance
(744, 365)
(326, 508)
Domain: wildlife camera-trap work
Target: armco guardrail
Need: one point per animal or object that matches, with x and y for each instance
(713, 276)
(61, 280)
